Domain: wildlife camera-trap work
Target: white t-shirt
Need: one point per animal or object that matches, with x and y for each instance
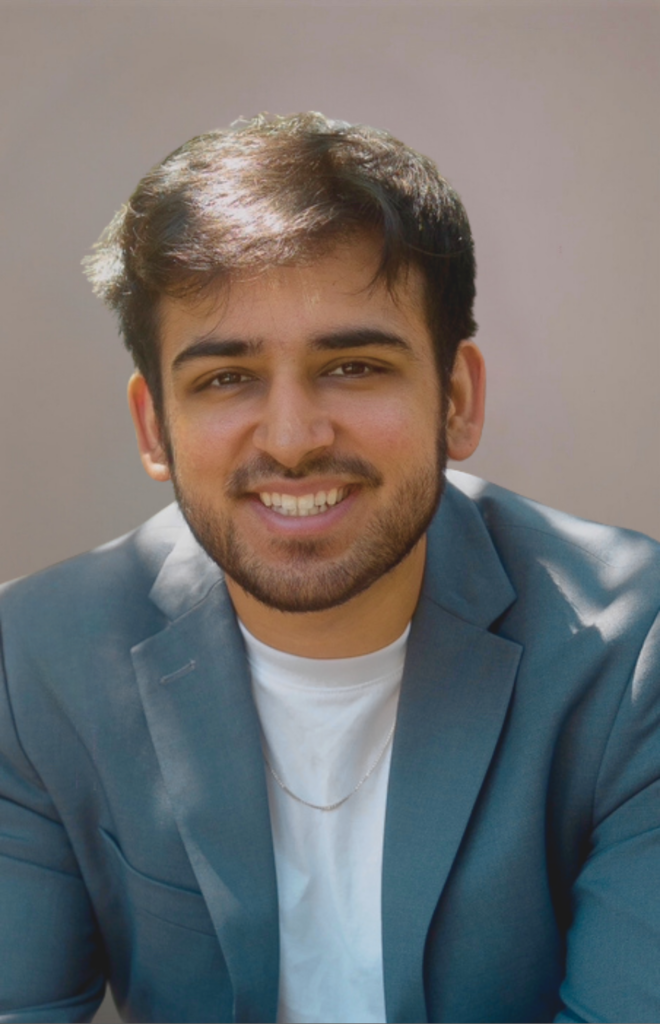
(324, 723)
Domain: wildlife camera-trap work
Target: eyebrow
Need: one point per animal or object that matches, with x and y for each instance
(333, 341)
(230, 348)
(358, 337)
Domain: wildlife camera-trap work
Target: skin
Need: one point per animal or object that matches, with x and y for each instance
(284, 412)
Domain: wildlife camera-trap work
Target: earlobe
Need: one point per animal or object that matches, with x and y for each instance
(467, 401)
(147, 429)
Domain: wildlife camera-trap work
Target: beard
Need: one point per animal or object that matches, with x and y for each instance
(308, 578)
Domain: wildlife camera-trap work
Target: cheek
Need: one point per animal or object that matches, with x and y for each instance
(208, 443)
(401, 428)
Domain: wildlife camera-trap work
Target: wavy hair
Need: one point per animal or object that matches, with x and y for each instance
(275, 191)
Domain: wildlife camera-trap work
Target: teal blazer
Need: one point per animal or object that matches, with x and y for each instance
(521, 868)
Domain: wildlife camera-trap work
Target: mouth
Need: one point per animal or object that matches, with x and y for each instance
(312, 504)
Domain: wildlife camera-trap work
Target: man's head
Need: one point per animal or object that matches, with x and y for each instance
(296, 295)
(279, 191)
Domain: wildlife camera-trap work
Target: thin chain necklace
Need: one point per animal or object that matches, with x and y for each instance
(333, 807)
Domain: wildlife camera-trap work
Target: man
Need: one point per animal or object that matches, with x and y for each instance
(334, 739)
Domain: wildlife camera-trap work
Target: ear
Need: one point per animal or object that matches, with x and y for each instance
(147, 429)
(467, 401)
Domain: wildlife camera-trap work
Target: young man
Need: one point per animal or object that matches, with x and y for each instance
(333, 739)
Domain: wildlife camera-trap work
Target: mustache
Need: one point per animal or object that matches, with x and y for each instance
(265, 467)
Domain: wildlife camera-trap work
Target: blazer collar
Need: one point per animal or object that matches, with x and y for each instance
(187, 574)
(464, 574)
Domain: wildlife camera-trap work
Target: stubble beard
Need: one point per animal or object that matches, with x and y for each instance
(308, 579)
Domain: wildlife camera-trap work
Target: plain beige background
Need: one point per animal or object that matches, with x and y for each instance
(544, 117)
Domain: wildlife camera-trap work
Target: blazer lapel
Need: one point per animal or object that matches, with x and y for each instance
(195, 688)
(456, 689)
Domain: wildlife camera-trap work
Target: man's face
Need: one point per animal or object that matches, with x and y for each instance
(303, 418)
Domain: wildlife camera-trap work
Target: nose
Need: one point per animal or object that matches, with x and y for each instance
(292, 424)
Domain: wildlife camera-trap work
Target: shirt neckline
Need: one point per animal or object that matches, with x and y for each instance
(295, 670)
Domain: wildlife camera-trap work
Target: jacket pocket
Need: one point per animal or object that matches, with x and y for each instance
(164, 958)
(183, 907)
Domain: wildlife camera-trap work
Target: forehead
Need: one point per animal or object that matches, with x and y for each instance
(283, 306)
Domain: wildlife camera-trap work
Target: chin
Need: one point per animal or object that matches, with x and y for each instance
(304, 578)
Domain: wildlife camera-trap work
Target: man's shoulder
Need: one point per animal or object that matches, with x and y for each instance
(530, 537)
(115, 572)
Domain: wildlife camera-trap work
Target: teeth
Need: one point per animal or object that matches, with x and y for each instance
(305, 505)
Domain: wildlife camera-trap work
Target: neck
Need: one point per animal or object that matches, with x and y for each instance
(366, 623)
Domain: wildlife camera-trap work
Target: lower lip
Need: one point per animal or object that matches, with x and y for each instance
(304, 525)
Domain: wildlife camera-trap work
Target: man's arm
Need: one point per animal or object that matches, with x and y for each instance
(613, 964)
(50, 949)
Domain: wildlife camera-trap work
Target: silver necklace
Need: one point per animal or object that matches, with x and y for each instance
(338, 803)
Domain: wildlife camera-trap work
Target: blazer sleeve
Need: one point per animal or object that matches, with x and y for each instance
(613, 955)
(50, 949)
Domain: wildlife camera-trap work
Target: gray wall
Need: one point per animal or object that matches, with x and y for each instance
(543, 115)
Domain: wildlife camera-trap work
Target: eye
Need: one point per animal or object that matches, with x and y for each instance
(354, 368)
(228, 379)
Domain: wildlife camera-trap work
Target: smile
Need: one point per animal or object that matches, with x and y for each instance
(306, 504)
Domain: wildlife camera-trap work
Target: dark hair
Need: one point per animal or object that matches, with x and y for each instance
(283, 190)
